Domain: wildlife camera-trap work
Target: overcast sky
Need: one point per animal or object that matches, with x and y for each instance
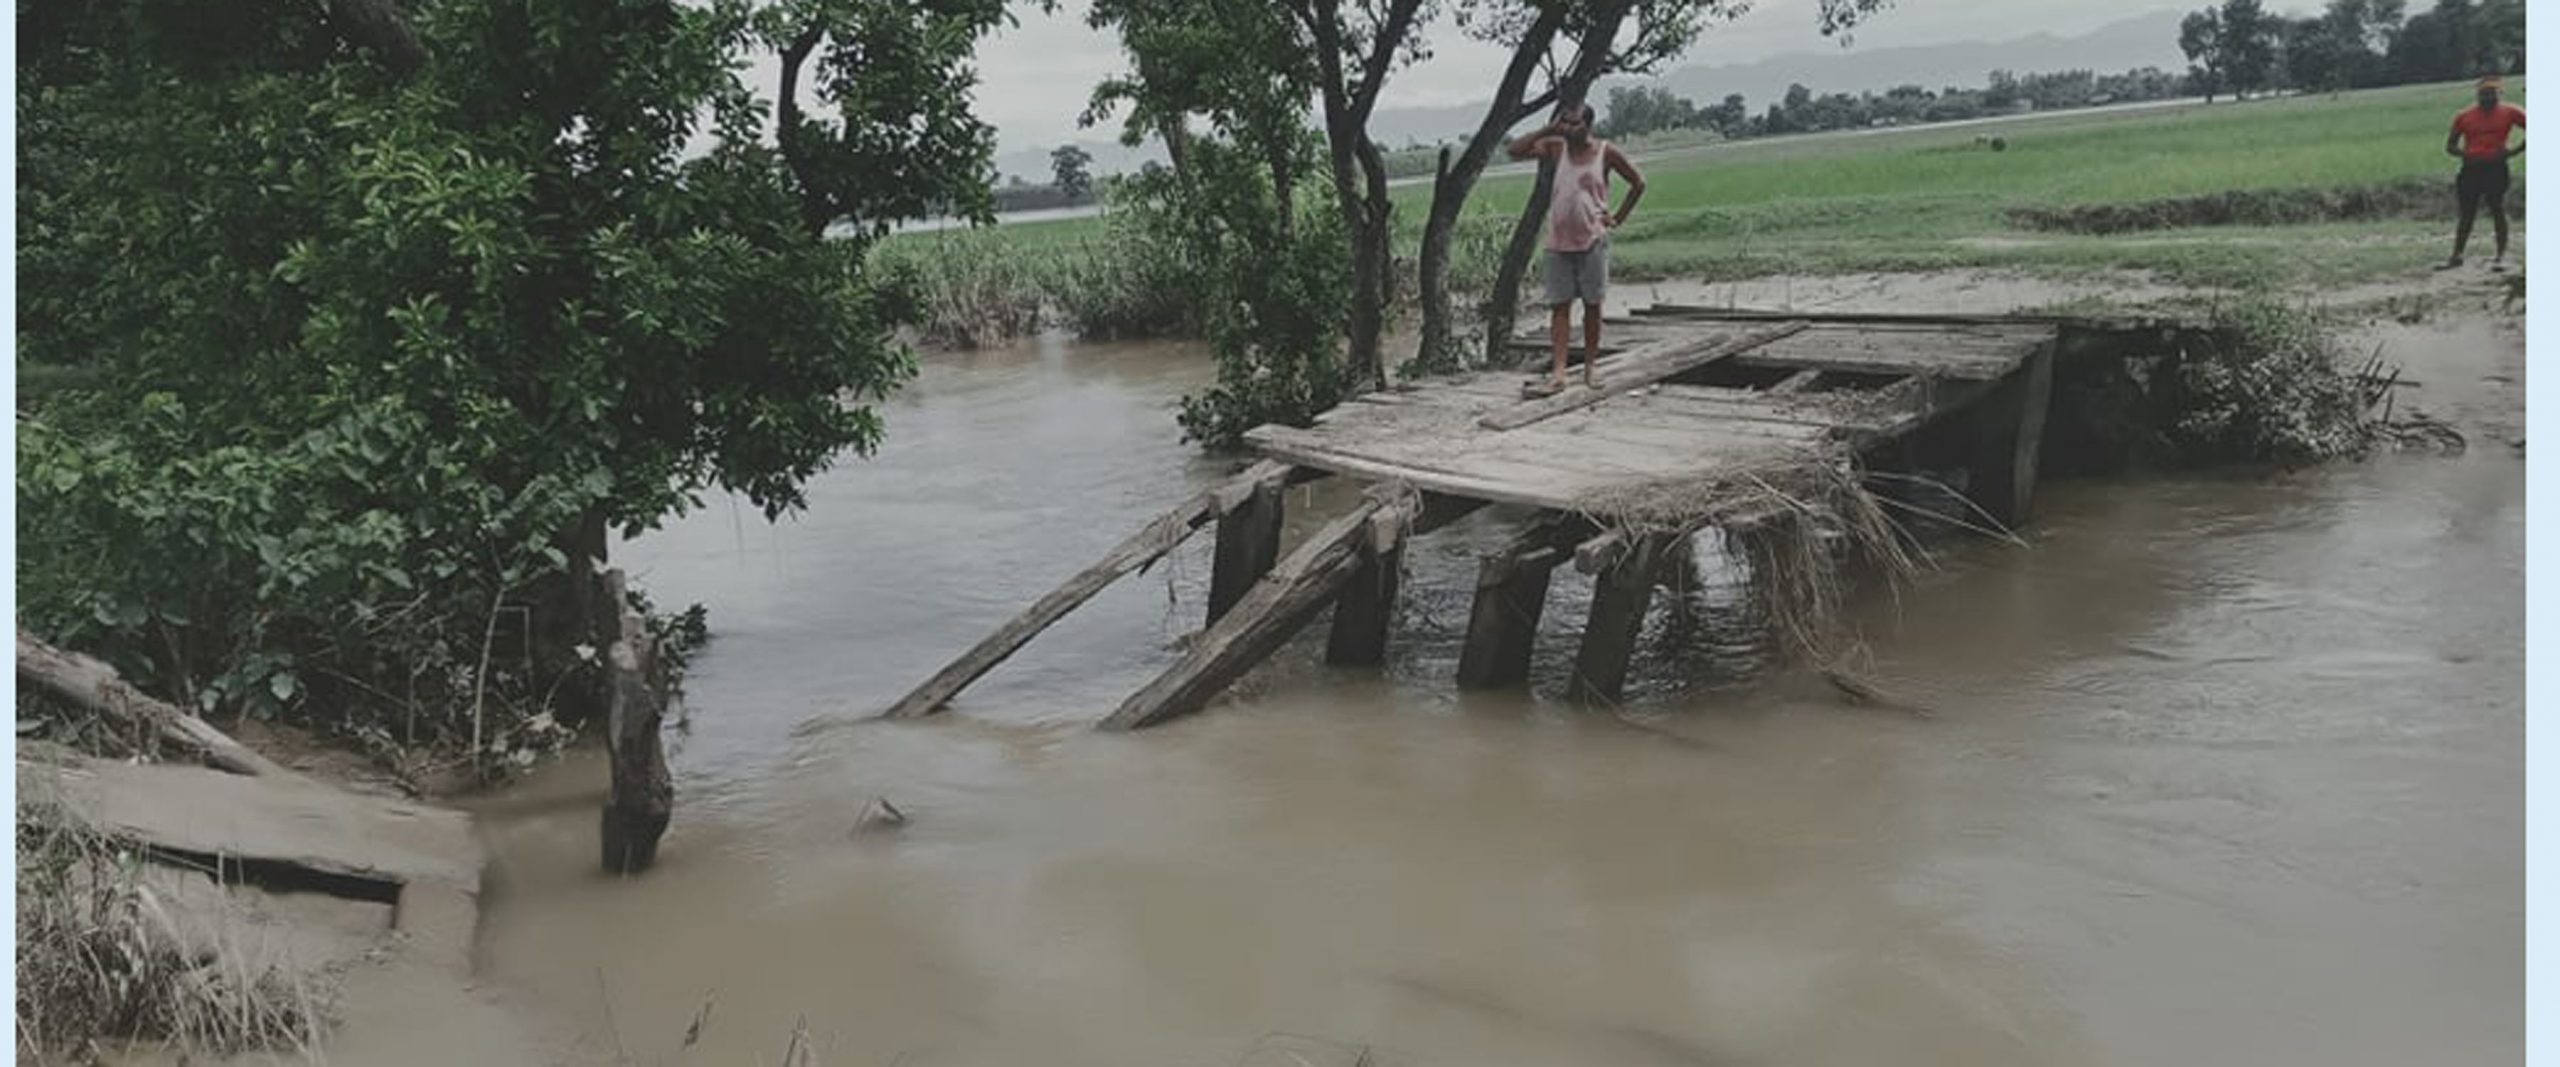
(1034, 78)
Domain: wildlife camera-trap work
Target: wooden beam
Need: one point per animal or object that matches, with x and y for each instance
(1619, 601)
(1277, 607)
(1639, 367)
(91, 685)
(1441, 509)
(2008, 442)
(1140, 550)
(1249, 516)
(1511, 597)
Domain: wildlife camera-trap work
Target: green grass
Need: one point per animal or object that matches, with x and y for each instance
(1927, 198)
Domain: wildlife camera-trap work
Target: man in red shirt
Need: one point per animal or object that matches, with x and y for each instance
(2479, 139)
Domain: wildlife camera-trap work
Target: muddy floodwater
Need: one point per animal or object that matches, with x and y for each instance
(2222, 769)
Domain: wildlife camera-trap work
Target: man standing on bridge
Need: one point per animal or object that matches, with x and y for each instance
(2479, 139)
(1578, 225)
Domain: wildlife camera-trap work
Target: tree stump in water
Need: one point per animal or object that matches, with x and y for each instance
(643, 793)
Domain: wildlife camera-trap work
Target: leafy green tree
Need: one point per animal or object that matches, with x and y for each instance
(1245, 203)
(391, 312)
(1073, 171)
(2249, 39)
(2200, 36)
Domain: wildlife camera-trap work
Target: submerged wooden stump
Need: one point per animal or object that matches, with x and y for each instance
(1511, 597)
(642, 797)
(1619, 600)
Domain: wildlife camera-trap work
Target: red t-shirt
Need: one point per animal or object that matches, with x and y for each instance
(2484, 133)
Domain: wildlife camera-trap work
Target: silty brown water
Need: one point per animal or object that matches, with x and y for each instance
(2222, 769)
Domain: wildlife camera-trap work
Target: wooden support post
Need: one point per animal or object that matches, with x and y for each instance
(643, 792)
(1511, 596)
(1365, 612)
(1248, 540)
(1618, 603)
(1264, 618)
(2008, 441)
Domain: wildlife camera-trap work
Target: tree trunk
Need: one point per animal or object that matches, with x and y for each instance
(569, 610)
(1457, 181)
(93, 686)
(1502, 308)
(643, 792)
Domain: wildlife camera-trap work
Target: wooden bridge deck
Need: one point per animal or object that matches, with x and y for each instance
(1829, 384)
(1685, 395)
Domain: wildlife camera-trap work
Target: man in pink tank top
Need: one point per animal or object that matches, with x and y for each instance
(1578, 225)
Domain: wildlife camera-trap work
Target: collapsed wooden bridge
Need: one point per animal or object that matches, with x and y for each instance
(1686, 397)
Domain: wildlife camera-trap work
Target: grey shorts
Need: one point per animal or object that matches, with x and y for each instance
(1582, 276)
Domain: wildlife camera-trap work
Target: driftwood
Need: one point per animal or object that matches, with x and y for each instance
(91, 685)
(1277, 607)
(1140, 550)
(643, 793)
(1637, 368)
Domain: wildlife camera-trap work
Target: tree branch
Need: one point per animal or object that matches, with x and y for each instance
(1382, 54)
(382, 26)
(815, 205)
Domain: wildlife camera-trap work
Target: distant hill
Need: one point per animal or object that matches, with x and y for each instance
(2148, 40)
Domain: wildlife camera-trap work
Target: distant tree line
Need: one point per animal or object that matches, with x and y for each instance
(2239, 48)
(1643, 109)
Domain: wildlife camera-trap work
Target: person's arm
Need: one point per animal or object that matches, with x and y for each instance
(2453, 139)
(1625, 168)
(2519, 148)
(1538, 142)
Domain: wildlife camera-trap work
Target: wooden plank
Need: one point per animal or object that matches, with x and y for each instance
(1436, 462)
(284, 820)
(1276, 608)
(1701, 313)
(1655, 364)
(1966, 369)
(1142, 548)
(1310, 452)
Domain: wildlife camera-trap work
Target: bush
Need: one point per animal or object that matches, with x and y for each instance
(2265, 384)
(1276, 287)
(1136, 280)
(962, 288)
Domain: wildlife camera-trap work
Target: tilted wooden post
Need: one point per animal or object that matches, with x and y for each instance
(1511, 596)
(1619, 599)
(643, 792)
(1268, 614)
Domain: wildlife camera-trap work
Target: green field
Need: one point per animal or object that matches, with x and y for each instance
(1930, 198)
